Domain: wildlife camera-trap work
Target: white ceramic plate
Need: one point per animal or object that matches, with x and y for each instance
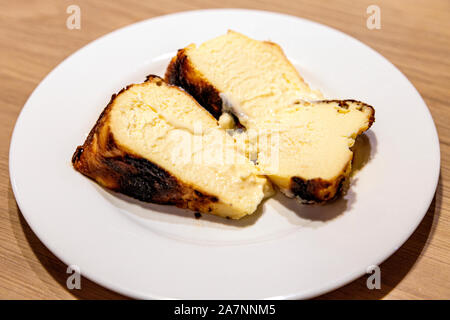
(285, 250)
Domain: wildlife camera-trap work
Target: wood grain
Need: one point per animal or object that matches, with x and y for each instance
(415, 36)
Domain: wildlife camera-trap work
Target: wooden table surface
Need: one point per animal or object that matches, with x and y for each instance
(414, 35)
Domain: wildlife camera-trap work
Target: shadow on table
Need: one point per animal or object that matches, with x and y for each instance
(393, 270)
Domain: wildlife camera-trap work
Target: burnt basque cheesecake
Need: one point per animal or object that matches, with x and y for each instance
(252, 83)
(154, 142)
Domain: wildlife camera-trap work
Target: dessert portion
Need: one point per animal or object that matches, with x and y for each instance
(252, 83)
(155, 143)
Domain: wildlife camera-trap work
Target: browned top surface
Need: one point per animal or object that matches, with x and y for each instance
(414, 35)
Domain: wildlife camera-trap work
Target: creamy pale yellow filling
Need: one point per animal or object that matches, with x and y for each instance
(310, 139)
(167, 127)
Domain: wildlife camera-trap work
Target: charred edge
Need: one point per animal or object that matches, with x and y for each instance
(346, 103)
(158, 80)
(146, 181)
(181, 73)
(110, 144)
(237, 123)
(372, 116)
(207, 198)
(77, 155)
(99, 123)
(132, 175)
(309, 191)
(101, 119)
(143, 180)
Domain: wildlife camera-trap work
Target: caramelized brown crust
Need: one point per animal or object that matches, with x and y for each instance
(181, 72)
(318, 190)
(112, 166)
(361, 105)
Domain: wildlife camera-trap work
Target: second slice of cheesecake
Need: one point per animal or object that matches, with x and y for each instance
(254, 81)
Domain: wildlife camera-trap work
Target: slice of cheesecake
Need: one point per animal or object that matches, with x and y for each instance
(254, 81)
(154, 142)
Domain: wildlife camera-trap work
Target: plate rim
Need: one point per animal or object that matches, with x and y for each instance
(299, 294)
